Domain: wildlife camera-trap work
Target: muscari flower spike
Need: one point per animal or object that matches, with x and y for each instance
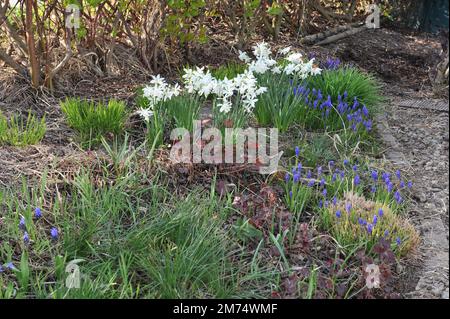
(26, 238)
(375, 219)
(10, 266)
(37, 213)
(54, 233)
(338, 214)
(22, 223)
(357, 180)
(319, 170)
(374, 175)
(348, 207)
(380, 212)
(287, 177)
(389, 187)
(398, 197)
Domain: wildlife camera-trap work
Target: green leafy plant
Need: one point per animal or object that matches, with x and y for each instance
(238, 117)
(94, 120)
(160, 118)
(362, 86)
(229, 70)
(278, 106)
(245, 231)
(181, 21)
(184, 109)
(20, 132)
(319, 149)
(3, 128)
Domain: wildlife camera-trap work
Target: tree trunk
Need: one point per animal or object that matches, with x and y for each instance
(35, 72)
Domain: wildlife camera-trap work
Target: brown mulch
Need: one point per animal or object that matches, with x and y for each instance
(399, 58)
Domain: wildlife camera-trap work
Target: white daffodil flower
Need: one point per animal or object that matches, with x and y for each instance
(276, 70)
(243, 56)
(261, 90)
(284, 51)
(146, 114)
(225, 106)
(295, 58)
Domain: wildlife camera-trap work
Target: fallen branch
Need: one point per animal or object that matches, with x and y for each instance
(311, 39)
(342, 35)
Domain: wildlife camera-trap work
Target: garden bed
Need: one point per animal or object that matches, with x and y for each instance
(146, 227)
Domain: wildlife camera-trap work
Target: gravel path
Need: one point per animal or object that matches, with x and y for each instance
(418, 142)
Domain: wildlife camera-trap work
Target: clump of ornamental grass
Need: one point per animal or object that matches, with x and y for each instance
(318, 149)
(93, 120)
(336, 80)
(3, 127)
(22, 132)
(278, 107)
(355, 221)
(299, 192)
(320, 111)
(184, 109)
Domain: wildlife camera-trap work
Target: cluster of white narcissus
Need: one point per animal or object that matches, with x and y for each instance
(244, 86)
(158, 91)
(264, 62)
